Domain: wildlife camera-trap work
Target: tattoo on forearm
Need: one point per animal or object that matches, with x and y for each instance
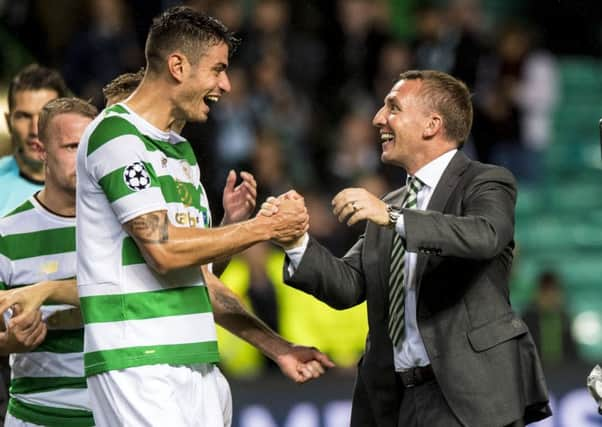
(151, 228)
(229, 303)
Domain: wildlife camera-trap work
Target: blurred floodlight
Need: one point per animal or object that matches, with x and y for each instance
(587, 328)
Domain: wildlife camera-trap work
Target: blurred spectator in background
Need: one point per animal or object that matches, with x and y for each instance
(279, 106)
(270, 165)
(356, 152)
(235, 125)
(271, 28)
(430, 48)
(37, 30)
(549, 322)
(466, 37)
(536, 95)
(515, 94)
(395, 57)
(450, 39)
(354, 55)
(267, 30)
(496, 131)
(569, 27)
(106, 48)
(230, 12)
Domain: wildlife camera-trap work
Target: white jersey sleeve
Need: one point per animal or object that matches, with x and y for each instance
(121, 165)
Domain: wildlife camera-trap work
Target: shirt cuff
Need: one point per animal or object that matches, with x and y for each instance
(400, 226)
(296, 254)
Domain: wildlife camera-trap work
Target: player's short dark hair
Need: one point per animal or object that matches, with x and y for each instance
(122, 86)
(184, 29)
(63, 106)
(447, 96)
(36, 77)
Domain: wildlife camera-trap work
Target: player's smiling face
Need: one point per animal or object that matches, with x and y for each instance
(206, 83)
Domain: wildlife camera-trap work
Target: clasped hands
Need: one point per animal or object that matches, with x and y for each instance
(351, 205)
(24, 331)
(27, 326)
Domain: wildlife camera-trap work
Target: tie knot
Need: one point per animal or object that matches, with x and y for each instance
(411, 197)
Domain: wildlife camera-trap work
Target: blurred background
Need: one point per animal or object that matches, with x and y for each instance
(307, 79)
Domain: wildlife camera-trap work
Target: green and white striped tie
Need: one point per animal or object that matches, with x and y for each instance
(398, 251)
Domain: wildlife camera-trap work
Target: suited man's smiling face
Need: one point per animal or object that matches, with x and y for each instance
(401, 122)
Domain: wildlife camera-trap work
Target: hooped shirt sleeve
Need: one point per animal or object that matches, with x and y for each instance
(119, 162)
(5, 265)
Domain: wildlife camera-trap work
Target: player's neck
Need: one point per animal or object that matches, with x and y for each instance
(57, 200)
(151, 103)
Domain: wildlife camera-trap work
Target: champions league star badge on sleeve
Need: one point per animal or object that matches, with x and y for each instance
(136, 177)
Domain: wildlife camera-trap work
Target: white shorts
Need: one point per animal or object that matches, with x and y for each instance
(161, 395)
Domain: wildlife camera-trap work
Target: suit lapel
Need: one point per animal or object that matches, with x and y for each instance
(445, 187)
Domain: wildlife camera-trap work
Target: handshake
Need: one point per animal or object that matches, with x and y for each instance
(288, 221)
(286, 218)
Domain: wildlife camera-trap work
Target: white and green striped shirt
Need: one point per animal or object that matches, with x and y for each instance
(48, 386)
(134, 316)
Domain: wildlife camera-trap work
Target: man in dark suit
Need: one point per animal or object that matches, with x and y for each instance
(444, 347)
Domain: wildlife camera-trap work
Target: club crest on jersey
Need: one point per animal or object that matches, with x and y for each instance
(136, 177)
(186, 170)
(184, 193)
(49, 267)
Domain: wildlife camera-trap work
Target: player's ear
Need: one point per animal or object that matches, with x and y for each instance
(433, 126)
(177, 65)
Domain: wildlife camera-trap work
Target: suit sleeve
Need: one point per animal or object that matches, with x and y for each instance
(339, 282)
(483, 229)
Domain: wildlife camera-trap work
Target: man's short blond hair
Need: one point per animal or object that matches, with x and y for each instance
(63, 106)
(122, 86)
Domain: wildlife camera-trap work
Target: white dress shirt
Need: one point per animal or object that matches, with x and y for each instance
(411, 352)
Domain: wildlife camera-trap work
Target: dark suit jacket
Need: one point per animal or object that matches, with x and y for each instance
(482, 354)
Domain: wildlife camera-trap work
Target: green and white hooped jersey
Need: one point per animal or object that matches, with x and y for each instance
(132, 315)
(48, 386)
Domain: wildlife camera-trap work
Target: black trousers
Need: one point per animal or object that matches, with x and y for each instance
(425, 406)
